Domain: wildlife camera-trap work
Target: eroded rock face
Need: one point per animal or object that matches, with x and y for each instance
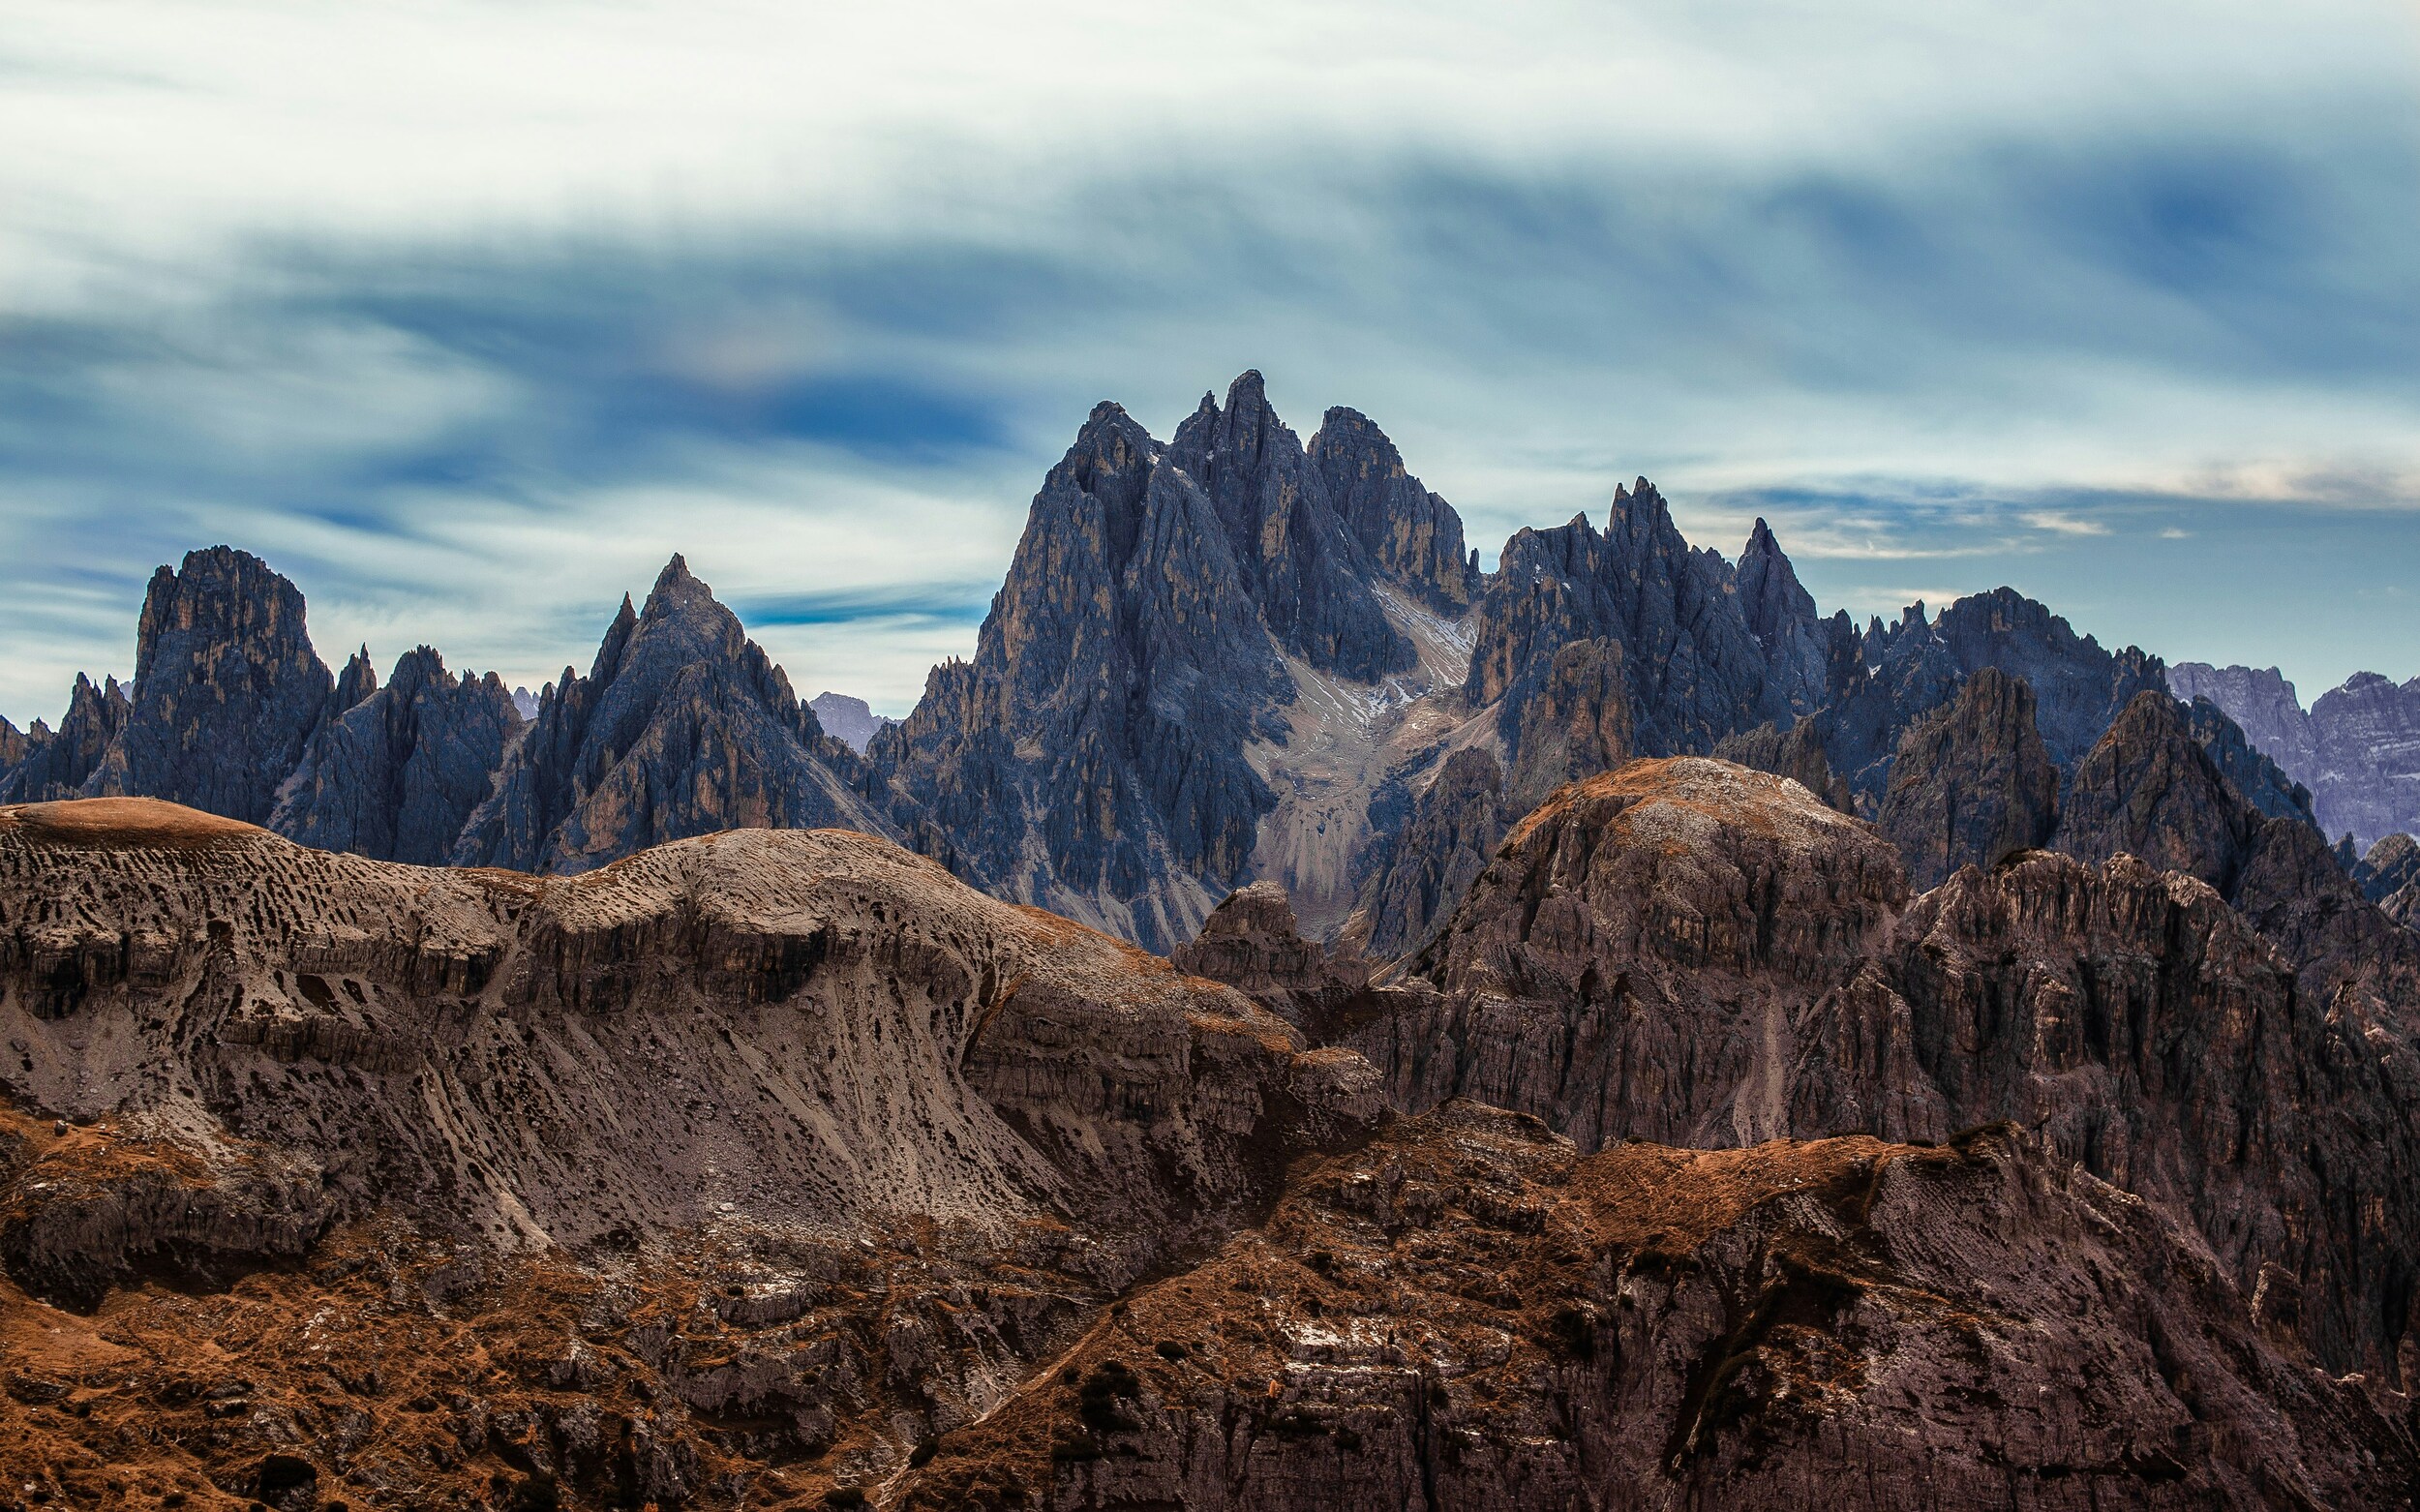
(681, 727)
(848, 721)
(1422, 874)
(787, 1137)
(1469, 1314)
(1251, 943)
(2392, 865)
(1411, 533)
(1629, 962)
(1973, 783)
(2357, 750)
(1781, 615)
(396, 775)
(1798, 755)
(1167, 608)
(226, 691)
(2150, 790)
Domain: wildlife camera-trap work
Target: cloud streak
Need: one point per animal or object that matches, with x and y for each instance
(467, 317)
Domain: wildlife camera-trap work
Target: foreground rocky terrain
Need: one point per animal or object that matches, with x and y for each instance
(780, 1168)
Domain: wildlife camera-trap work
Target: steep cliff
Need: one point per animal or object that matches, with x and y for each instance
(1689, 951)
(226, 689)
(2357, 750)
(1468, 1313)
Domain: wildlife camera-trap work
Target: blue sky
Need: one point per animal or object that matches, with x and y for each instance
(467, 315)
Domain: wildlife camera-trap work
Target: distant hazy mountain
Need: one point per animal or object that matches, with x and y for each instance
(2357, 748)
(847, 719)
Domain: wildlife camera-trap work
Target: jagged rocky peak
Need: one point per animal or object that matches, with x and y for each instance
(57, 765)
(1304, 570)
(1781, 615)
(1973, 783)
(398, 773)
(1444, 841)
(2148, 789)
(2357, 750)
(1410, 533)
(357, 681)
(1159, 608)
(226, 688)
(682, 727)
(1695, 671)
(849, 720)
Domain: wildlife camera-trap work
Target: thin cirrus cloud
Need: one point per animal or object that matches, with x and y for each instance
(467, 317)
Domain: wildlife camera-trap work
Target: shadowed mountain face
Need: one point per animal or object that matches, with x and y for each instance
(49, 765)
(681, 727)
(781, 1169)
(2357, 750)
(398, 774)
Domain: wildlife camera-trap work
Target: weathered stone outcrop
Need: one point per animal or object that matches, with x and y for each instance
(1973, 783)
(1251, 943)
(398, 774)
(1798, 755)
(1469, 1314)
(1629, 963)
(2392, 865)
(1692, 952)
(57, 765)
(681, 727)
(226, 691)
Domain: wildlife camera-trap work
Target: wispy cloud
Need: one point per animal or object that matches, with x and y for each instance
(468, 316)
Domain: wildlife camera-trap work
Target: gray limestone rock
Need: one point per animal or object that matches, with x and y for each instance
(396, 775)
(226, 689)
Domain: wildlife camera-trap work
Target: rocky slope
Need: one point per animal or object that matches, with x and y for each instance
(782, 1170)
(1693, 953)
(789, 1138)
(2357, 748)
(1470, 1314)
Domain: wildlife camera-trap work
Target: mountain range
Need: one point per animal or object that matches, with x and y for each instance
(1229, 657)
(1296, 1019)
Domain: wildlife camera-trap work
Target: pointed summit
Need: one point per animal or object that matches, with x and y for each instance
(683, 728)
(1412, 535)
(1781, 615)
